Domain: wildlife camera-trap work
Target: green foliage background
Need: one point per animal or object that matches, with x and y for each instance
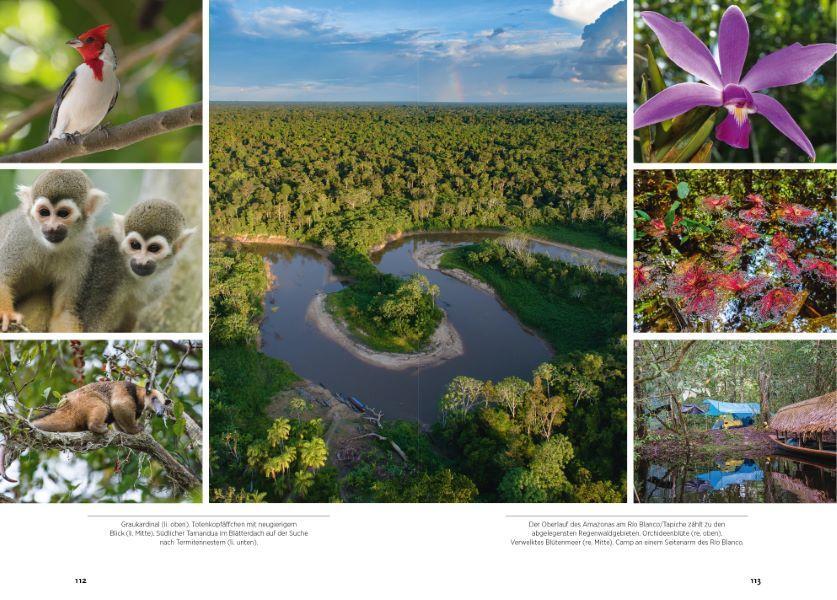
(774, 24)
(35, 61)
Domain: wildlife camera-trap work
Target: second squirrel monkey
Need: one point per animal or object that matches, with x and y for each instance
(132, 266)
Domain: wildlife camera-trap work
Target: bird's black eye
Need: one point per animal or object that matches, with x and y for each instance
(63, 213)
(154, 248)
(89, 40)
(135, 245)
(44, 212)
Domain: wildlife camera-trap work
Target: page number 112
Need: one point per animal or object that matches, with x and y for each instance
(81, 579)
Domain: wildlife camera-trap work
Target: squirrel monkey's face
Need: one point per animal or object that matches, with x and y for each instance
(148, 253)
(55, 216)
(144, 256)
(55, 220)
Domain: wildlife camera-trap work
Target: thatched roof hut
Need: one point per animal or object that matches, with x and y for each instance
(809, 417)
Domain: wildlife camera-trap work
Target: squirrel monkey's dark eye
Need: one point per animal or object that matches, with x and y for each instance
(44, 212)
(168, 401)
(154, 248)
(135, 245)
(63, 213)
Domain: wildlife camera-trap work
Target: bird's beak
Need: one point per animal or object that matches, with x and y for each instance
(75, 43)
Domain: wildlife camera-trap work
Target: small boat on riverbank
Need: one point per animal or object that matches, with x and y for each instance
(357, 404)
(808, 427)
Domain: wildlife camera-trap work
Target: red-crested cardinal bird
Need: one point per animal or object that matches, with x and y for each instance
(90, 91)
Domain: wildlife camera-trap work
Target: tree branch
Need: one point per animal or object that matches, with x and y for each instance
(113, 138)
(20, 434)
(160, 47)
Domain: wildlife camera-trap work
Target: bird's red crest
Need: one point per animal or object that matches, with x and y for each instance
(98, 33)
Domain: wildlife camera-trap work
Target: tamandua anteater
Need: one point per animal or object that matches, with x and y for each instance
(94, 406)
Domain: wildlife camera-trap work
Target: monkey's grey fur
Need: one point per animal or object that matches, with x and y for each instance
(29, 264)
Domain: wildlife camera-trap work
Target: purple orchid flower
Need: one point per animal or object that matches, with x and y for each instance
(724, 85)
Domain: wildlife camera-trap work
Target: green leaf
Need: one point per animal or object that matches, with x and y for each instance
(656, 82)
(641, 214)
(47, 392)
(645, 132)
(655, 77)
(669, 218)
(691, 224)
(638, 235)
(682, 190)
(688, 144)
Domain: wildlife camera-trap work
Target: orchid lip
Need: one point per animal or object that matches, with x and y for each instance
(739, 102)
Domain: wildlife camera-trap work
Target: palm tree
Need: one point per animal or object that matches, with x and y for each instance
(313, 454)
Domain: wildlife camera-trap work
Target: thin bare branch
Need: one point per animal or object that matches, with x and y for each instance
(59, 150)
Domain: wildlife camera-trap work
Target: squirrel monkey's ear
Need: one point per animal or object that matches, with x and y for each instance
(119, 227)
(184, 237)
(24, 193)
(95, 200)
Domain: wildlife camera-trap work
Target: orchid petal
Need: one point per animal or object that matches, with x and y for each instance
(676, 100)
(733, 41)
(734, 133)
(684, 48)
(772, 110)
(788, 66)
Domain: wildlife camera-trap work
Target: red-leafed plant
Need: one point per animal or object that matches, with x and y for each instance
(735, 251)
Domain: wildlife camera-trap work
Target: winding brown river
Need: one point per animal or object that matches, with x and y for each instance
(496, 345)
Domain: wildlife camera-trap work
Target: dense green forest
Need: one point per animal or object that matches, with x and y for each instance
(349, 175)
(346, 177)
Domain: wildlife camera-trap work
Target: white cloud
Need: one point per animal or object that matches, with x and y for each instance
(581, 11)
(280, 21)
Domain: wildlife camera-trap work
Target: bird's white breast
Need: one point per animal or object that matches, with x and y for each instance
(87, 102)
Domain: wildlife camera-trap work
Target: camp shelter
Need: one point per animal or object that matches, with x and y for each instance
(811, 421)
(692, 409)
(739, 410)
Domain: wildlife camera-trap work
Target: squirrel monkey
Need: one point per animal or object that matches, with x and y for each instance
(131, 265)
(96, 405)
(45, 245)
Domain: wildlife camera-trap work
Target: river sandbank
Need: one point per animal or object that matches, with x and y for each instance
(444, 344)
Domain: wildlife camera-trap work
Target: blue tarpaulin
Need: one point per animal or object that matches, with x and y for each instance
(739, 410)
(719, 480)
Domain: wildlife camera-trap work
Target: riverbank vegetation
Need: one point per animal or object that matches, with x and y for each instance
(351, 175)
(555, 437)
(383, 311)
(252, 457)
(574, 308)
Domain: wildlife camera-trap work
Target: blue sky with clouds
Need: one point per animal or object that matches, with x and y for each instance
(418, 50)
